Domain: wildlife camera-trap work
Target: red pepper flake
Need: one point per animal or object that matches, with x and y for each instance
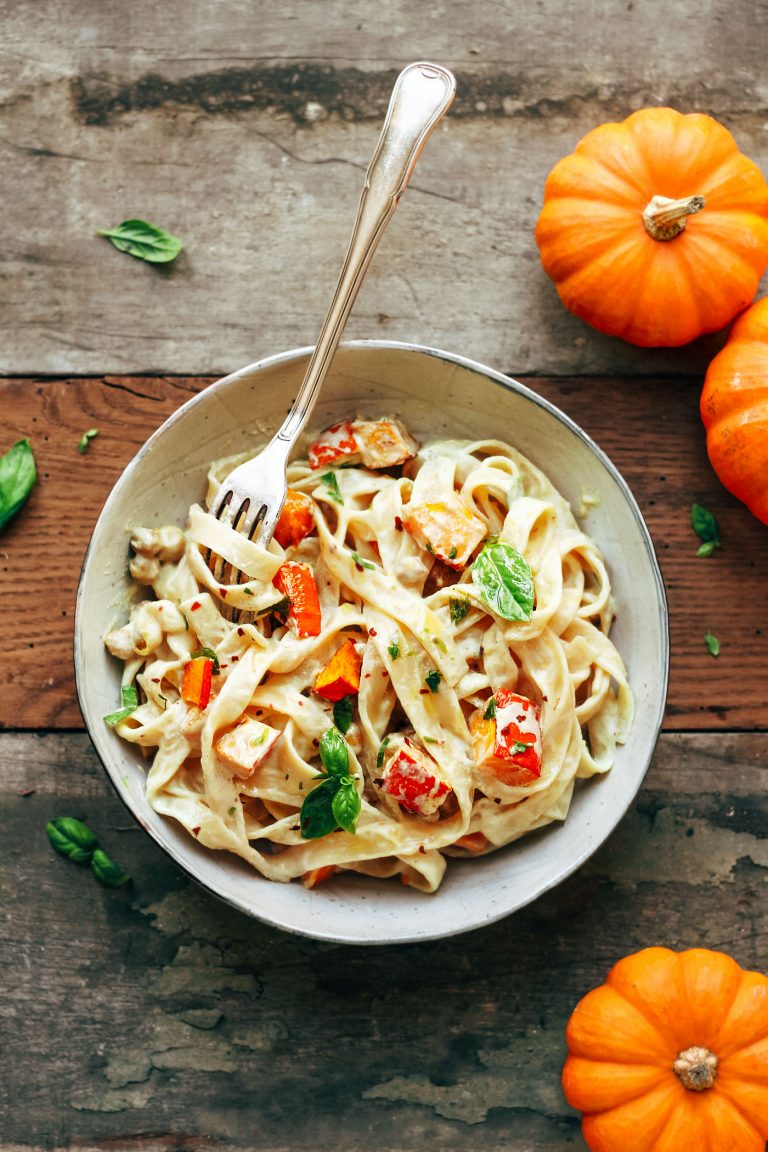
(384, 673)
(234, 661)
(367, 676)
(155, 679)
(371, 631)
(423, 691)
(241, 632)
(194, 607)
(196, 831)
(223, 592)
(422, 849)
(398, 524)
(405, 880)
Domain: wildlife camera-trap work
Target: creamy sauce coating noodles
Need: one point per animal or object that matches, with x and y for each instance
(435, 773)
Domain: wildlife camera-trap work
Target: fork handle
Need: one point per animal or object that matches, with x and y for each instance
(421, 95)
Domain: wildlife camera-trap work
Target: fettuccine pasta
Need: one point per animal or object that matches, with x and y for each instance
(423, 649)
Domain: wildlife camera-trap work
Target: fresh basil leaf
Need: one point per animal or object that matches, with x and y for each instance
(334, 753)
(72, 838)
(394, 650)
(707, 548)
(459, 606)
(130, 697)
(346, 805)
(705, 525)
(432, 679)
(316, 817)
(332, 484)
(503, 578)
(343, 711)
(86, 438)
(17, 479)
(208, 654)
(490, 709)
(144, 241)
(713, 644)
(106, 871)
(360, 563)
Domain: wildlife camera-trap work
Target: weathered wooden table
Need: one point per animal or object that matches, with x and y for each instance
(154, 1017)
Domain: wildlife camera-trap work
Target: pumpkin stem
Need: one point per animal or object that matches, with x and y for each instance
(664, 218)
(696, 1068)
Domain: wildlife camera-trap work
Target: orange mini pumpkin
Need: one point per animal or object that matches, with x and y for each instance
(734, 408)
(671, 1053)
(655, 229)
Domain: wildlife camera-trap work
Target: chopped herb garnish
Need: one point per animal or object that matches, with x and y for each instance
(453, 554)
(257, 740)
(186, 622)
(360, 563)
(431, 740)
(249, 591)
(394, 649)
(130, 698)
(207, 654)
(705, 526)
(430, 549)
(713, 644)
(519, 746)
(490, 710)
(86, 438)
(432, 679)
(459, 607)
(382, 750)
(332, 484)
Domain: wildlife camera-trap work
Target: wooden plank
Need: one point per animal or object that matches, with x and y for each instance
(652, 433)
(159, 1019)
(248, 137)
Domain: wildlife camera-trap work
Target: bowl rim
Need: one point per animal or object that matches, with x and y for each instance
(491, 914)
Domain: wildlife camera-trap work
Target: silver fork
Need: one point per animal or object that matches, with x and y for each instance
(251, 497)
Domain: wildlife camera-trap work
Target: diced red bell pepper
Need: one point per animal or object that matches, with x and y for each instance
(336, 443)
(196, 682)
(509, 745)
(341, 675)
(297, 582)
(410, 776)
(296, 519)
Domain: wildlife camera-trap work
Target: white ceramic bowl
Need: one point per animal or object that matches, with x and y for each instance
(436, 394)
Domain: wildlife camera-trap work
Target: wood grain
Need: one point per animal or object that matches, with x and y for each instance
(651, 431)
(156, 1018)
(248, 136)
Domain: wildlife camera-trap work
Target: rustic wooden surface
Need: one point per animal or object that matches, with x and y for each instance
(155, 1018)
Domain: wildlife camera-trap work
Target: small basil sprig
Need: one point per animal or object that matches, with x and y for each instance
(705, 526)
(335, 802)
(503, 578)
(144, 241)
(71, 838)
(130, 697)
(17, 479)
(85, 440)
(459, 606)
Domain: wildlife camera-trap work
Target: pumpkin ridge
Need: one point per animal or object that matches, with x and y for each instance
(721, 1091)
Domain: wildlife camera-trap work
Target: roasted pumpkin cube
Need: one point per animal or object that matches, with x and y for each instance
(243, 748)
(297, 582)
(196, 682)
(508, 744)
(383, 443)
(341, 675)
(411, 777)
(337, 443)
(296, 519)
(446, 529)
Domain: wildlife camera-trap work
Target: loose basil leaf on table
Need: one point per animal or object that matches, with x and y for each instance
(70, 837)
(706, 528)
(144, 241)
(503, 578)
(106, 871)
(17, 479)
